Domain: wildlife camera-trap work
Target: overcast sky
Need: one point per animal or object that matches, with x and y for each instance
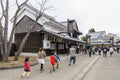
(98, 14)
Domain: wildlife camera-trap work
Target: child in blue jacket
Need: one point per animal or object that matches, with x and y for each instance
(57, 59)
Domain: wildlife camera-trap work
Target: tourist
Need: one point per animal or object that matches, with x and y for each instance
(90, 51)
(105, 52)
(57, 59)
(26, 68)
(99, 51)
(111, 51)
(41, 58)
(52, 62)
(72, 55)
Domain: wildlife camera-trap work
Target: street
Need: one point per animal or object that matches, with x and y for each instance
(65, 72)
(35, 33)
(105, 69)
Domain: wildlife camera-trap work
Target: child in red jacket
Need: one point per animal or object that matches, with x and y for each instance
(26, 68)
(52, 62)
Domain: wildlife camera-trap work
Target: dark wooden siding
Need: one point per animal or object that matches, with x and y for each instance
(34, 42)
(24, 25)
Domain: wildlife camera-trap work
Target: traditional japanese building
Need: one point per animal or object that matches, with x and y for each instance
(48, 33)
(114, 38)
(99, 37)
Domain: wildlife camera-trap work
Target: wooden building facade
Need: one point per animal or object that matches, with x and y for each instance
(48, 33)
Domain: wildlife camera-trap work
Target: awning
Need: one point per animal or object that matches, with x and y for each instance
(63, 36)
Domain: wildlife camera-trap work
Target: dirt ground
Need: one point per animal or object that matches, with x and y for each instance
(20, 62)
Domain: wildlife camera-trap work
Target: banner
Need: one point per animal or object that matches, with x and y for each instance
(46, 44)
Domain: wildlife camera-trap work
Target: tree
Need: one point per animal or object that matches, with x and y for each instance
(91, 30)
(1, 41)
(4, 20)
(6, 44)
(84, 38)
(38, 16)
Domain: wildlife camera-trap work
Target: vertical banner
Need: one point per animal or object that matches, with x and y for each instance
(46, 44)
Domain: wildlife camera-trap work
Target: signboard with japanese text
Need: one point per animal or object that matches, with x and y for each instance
(46, 44)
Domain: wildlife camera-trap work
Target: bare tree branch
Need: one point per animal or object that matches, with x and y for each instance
(20, 6)
(6, 30)
(1, 30)
(40, 13)
(1, 17)
(3, 10)
(17, 3)
(1, 26)
(14, 24)
(1, 38)
(43, 5)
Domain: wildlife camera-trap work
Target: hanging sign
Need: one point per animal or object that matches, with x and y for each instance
(46, 44)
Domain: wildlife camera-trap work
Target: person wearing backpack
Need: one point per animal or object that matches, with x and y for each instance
(57, 59)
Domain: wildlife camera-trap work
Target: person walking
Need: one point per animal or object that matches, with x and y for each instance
(115, 49)
(41, 58)
(111, 51)
(93, 50)
(77, 50)
(72, 55)
(26, 68)
(57, 59)
(105, 52)
(90, 51)
(99, 51)
(82, 50)
(118, 49)
(52, 62)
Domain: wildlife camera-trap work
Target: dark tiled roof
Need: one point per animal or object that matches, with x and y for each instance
(62, 36)
(97, 34)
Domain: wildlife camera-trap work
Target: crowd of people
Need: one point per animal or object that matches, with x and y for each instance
(93, 50)
(54, 57)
